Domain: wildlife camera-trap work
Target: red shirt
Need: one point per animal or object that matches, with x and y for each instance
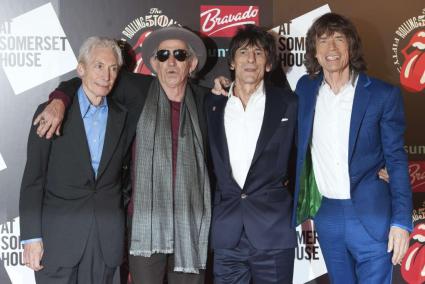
(175, 123)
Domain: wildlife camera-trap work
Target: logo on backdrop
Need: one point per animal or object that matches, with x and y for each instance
(417, 175)
(34, 44)
(223, 21)
(408, 53)
(413, 266)
(2, 163)
(139, 29)
(12, 253)
(415, 149)
(291, 43)
(309, 263)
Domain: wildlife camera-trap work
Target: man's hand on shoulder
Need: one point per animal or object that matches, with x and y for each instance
(398, 243)
(50, 120)
(33, 253)
(221, 83)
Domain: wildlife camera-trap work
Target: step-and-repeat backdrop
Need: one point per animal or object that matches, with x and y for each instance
(39, 42)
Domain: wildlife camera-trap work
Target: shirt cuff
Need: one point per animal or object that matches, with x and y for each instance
(56, 94)
(31, 241)
(401, 226)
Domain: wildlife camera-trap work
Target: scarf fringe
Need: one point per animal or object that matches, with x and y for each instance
(188, 270)
(146, 253)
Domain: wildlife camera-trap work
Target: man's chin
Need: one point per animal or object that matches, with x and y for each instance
(172, 82)
(102, 92)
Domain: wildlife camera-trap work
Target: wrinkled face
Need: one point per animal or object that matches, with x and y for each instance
(250, 64)
(332, 52)
(173, 73)
(98, 74)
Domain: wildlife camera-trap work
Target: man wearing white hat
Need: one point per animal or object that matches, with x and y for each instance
(170, 208)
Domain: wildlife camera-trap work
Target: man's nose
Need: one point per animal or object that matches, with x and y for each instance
(251, 56)
(106, 74)
(171, 60)
(332, 44)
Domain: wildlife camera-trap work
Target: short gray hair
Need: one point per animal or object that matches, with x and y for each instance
(95, 42)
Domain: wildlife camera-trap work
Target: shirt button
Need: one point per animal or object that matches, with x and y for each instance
(243, 195)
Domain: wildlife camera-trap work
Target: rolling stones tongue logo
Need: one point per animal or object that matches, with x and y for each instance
(408, 53)
(136, 32)
(413, 266)
(412, 73)
(137, 49)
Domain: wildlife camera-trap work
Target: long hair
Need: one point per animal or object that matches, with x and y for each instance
(329, 24)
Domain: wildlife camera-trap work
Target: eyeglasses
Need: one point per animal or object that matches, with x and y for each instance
(179, 54)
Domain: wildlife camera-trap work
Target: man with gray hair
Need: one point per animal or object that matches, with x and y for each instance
(71, 209)
(170, 209)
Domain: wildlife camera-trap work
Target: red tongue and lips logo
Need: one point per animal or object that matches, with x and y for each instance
(137, 49)
(413, 266)
(412, 74)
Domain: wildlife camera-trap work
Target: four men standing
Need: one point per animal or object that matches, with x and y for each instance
(358, 129)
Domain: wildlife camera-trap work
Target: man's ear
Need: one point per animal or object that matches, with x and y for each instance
(154, 64)
(81, 69)
(193, 64)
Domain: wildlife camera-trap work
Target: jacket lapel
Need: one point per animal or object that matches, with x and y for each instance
(217, 129)
(113, 134)
(77, 133)
(360, 103)
(274, 110)
(306, 114)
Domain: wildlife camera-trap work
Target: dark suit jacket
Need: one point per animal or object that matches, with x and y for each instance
(375, 140)
(61, 199)
(263, 207)
(131, 90)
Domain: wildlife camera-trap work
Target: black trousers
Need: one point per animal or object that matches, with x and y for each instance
(90, 270)
(152, 270)
(245, 264)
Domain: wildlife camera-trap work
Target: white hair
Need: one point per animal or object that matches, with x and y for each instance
(95, 42)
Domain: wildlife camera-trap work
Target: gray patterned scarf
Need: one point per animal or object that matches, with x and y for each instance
(166, 220)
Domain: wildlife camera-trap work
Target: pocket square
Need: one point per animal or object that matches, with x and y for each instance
(284, 119)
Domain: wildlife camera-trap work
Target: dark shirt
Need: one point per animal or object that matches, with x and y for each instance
(175, 123)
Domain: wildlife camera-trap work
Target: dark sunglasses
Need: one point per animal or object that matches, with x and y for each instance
(179, 54)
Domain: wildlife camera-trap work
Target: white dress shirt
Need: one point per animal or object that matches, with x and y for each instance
(329, 146)
(242, 128)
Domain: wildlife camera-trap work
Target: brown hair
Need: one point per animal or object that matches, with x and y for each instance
(252, 35)
(328, 24)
